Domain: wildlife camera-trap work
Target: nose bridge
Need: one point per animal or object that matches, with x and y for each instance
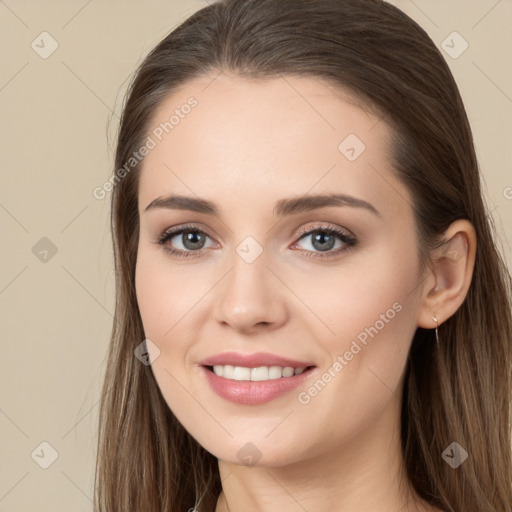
(250, 294)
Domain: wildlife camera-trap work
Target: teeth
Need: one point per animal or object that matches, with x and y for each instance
(255, 374)
(275, 372)
(241, 373)
(288, 371)
(260, 373)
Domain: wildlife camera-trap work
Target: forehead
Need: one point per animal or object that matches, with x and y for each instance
(253, 140)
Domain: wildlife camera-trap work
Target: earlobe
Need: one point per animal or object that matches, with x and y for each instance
(451, 273)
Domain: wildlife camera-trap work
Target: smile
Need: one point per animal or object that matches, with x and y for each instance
(255, 386)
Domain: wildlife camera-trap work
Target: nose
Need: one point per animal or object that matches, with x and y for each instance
(251, 298)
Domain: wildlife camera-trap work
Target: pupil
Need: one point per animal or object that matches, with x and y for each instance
(320, 238)
(193, 240)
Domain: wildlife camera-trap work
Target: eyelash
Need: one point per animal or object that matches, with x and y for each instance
(349, 241)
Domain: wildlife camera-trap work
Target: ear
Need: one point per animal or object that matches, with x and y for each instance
(447, 282)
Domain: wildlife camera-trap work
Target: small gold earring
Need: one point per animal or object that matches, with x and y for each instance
(437, 335)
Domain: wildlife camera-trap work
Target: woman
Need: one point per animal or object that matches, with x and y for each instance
(311, 310)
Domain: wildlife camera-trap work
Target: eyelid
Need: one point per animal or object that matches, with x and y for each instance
(302, 231)
(175, 230)
(325, 226)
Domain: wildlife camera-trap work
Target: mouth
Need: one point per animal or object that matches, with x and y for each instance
(256, 385)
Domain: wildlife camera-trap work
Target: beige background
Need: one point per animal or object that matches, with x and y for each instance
(57, 314)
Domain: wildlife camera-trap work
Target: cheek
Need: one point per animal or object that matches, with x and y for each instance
(164, 294)
(371, 314)
(150, 289)
(165, 302)
(364, 295)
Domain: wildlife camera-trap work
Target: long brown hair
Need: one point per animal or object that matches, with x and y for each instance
(146, 461)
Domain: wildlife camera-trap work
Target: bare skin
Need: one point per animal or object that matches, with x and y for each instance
(245, 146)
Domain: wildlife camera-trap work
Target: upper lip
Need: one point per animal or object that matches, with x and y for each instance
(252, 360)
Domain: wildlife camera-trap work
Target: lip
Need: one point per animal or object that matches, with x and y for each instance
(248, 392)
(253, 360)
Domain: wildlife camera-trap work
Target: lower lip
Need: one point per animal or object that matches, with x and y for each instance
(249, 392)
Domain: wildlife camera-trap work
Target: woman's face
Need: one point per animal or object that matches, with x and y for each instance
(263, 281)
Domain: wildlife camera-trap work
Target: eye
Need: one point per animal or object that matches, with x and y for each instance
(323, 239)
(191, 238)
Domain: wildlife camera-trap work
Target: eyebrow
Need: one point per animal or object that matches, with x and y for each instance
(283, 207)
